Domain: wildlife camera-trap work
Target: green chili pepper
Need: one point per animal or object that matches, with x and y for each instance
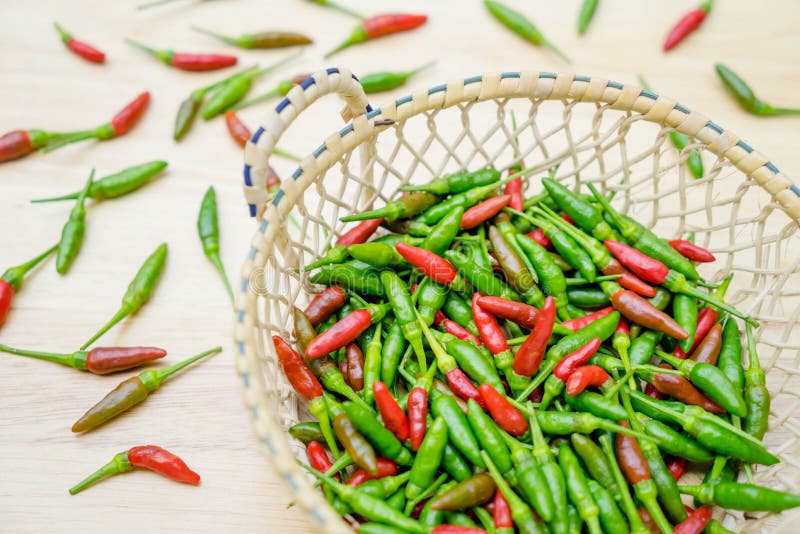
(430, 517)
(595, 461)
(482, 279)
(744, 497)
(585, 214)
(459, 519)
(208, 230)
(367, 506)
(428, 458)
(628, 506)
(489, 438)
(523, 27)
(611, 518)
(455, 464)
(403, 309)
(381, 437)
(116, 185)
(756, 394)
(675, 443)
(746, 97)
(355, 276)
(335, 255)
(375, 254)
(587, 297)
(520, 511)
(402, 208)
(563, 423)
(585, 15)
(531, 480)
(307, 431)
(550, 275)
(235, 89)
(684, 310)
(372, 365)
(596, 404)
(552, 473)
(465, 200)
(475, 363)
(730, 354)
(459, 182)
(578, 488)
(139, 290)
(394, 345)
(459, 431)
(643, 347)
(377, 82)
(457, 309)
(430, 297)
(73, 231)
(356, 445)
(442, 235)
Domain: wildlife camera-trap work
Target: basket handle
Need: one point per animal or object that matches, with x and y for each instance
(258, 150)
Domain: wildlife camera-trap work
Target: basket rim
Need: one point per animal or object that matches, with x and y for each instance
(623, 96)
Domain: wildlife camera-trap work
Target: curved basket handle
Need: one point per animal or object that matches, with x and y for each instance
(259, 148)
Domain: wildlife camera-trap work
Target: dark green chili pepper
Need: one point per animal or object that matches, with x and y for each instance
(552, 473)
(550, 275)
(459, 182)
(628, 506)
(394, 345)
(584, 297)
(430, 517)
(684, 310)
(611, 518)
(476, 490)
(369, 507)
(428, 458)
(519, 24)
(745, 96)
(585, 214)
(517, 273)
(531, 480)
(73, 231)
(375, 254)
(578, 488)
(756, 394)
(595, 461)
(563, 423)
(586, 14)
(377, 82)
(643, 347)
(730, 354)
(355, 276)
(139, 290)
(489, 438)
(596, 404)
(208, 230)
(457, 309)
(403, 309)
(459, 431)
(381, 437)
(116, 185)
(306, 432)
(402, 208)
(430, 297)
(520, 511)
(744, 497)
(459, 519)
(442, 235)
(455, 464)
(465, 200)
(482, 279)
(475, 363)
(675, 443)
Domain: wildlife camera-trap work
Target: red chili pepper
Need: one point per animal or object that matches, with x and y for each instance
(325, 304)
(567, 218)
(318, 458)
(417, 416)
(127, 118)
(11, 281)
(642, 265)
(295, 369)
(187, 61)
(501, 512)
(540, 237)
(360, 233)
(431, 265)
(453, 328)
(514, 188)
(6, 296)
(17, 144)
(518, 312)
(340, 334)
(677, 467)
(585, 376)
(628, 280)
(355, 367)
(238, 130)
(505, 415)
(79, 48)
(488, 328)
(483, 211)
(687, 24)
(706, 318)
(456, 529)
(695, 523)
(461, 386)
(622, 328)
(530, 353)
(693, 252)
(438, 318)
(393, 417)
(386, 468)
(651, 391)
(378, 26)
(572, 361)
(580, 322)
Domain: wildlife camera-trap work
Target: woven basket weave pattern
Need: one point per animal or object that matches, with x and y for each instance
(601, 132)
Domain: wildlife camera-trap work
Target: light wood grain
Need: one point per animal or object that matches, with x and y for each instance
(200, 415)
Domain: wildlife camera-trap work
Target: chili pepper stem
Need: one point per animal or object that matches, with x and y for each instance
(75, 137)
(155, 3)
(340, 8)
(216, 261)
(224, 38)
(63, 359)
(15, 275)
(287, 155)
(256, 100)
(350, 41)
(153, 379)
(120, 315)
(119, 464)
(65, 35)
(158, 54)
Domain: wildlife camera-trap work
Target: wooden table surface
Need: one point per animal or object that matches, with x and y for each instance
(200, 415)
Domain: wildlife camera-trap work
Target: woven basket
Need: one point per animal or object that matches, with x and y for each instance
(614, 135)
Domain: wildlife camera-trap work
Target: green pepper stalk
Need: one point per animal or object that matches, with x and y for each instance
(131, 392)
(208, 230)
(73, 231)
(367, 506)
(412, 503)
(377, 82)
(139, 290)
(746, 97)
(628, 506)
(521, 513)
(116, 185)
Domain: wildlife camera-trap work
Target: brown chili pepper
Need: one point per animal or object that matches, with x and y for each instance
(355, 367)
(474, 491)
(518, 312)
(708, 349)
(639, 311)
(681, 389)
(100, 360)
(325, 304)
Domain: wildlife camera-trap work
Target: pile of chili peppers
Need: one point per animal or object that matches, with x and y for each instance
(468, 377)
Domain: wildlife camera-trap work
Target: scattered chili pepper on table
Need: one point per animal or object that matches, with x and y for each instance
(746, 97)
(377, 82)
(281, 89)
(185, 60)
(150, 457)
(265, 39)
(117, 184)
(99, 361)
(586, 14)
(338, 7)
(208, 230)
(519, 24)
(687, 24)
(80, 48)
(380, 26)
(73, 231)
(11, 281)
